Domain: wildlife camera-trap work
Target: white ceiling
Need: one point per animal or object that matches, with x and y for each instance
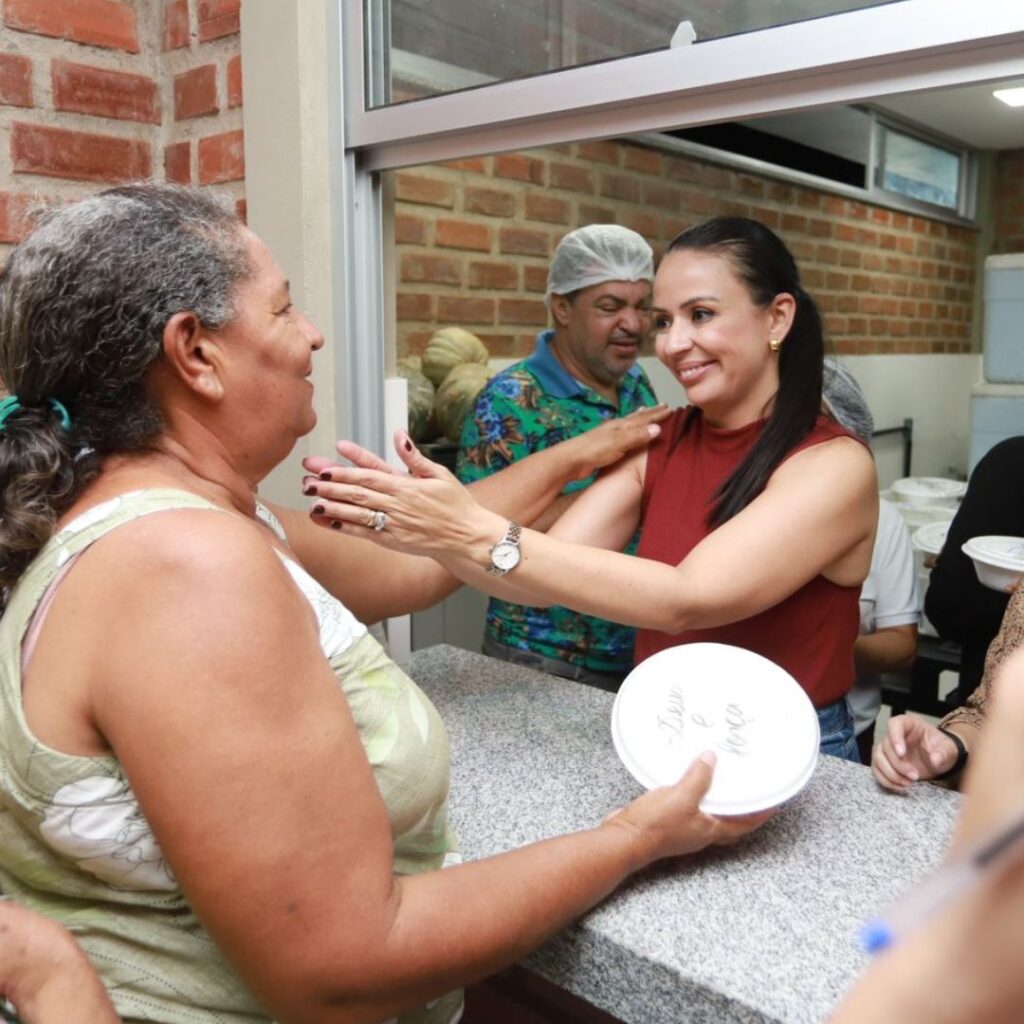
(969, 114)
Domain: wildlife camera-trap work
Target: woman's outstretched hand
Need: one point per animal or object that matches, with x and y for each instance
(426, 510)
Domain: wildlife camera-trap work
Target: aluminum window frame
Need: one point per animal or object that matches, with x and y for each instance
(844, 58)
(966, 200)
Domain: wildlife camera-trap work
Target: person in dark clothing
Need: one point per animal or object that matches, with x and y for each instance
(959, 607)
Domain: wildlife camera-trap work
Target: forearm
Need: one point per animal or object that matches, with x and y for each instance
(527, 489)
(732, 574)
(373, 583)
(529, 483)
(621, 588)
(554, 512)
(887, 650)
(455, 926)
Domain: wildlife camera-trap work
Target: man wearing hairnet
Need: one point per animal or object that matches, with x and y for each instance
(581, 373)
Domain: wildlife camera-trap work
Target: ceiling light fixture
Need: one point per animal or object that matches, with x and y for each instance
(1011, 97)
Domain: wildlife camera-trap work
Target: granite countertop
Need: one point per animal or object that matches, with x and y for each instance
(760, 932)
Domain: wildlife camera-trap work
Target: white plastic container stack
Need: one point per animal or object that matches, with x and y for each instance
(927, 505)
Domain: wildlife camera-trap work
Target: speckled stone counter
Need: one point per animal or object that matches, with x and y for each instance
(760, 932)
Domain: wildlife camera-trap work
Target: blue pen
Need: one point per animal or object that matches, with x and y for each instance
(992, 854)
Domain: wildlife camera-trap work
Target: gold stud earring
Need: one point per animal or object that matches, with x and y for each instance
(775, 344)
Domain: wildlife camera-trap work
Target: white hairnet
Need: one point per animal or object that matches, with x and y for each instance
(845, 400)
(595, 254)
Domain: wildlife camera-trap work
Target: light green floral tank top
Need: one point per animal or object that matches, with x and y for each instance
(74, 843)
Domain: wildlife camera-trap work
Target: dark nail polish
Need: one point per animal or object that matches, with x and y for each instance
(310, 489)
(318, 510)
(408, 445)
(335, 525)
(325, 475)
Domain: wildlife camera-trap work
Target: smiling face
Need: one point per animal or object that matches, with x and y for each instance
(598, 332)
(714, 339)
(269, 346)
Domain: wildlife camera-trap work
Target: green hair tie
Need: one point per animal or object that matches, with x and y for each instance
(11, 405)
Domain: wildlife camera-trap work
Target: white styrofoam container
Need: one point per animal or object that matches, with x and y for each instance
(705, 696)
(998, 561)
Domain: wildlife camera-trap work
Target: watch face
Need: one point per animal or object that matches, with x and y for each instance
(505, 555)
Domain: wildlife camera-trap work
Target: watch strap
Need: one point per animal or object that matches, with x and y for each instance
(961, 756)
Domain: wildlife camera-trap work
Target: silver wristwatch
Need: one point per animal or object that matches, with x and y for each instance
(505, 555)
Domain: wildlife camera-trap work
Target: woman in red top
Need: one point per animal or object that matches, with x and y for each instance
(757, 513)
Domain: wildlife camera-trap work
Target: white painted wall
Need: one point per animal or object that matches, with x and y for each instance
(936, 391)
(289, 190)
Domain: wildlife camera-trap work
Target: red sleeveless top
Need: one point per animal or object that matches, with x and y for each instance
(811, 633)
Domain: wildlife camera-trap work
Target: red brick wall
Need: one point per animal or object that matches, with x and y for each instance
(474, 237)
(200, 52)
(1008, 209)
(93, 92)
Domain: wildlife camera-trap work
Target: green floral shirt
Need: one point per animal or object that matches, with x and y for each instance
(532, 405)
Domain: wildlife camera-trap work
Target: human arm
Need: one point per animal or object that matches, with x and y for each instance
(890, 649)
(957, 604)
(816, 516)
(965, 965)
(892, 600)
(45, 973)
(247, 764)
(914, 750)
(376, 584)
(535, 482)
(501, 431)
(1009, 638)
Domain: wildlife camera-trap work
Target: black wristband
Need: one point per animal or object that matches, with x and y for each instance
(961, 756)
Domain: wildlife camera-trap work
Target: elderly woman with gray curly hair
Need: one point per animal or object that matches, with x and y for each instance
(211, 772)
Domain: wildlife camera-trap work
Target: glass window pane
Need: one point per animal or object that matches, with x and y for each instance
(419, 48)
(920, 170)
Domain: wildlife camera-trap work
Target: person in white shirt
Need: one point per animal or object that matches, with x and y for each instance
(890, 600)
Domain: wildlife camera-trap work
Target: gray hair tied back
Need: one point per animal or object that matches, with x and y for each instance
(84, 300)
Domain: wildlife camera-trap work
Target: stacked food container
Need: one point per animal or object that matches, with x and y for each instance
(927, 505)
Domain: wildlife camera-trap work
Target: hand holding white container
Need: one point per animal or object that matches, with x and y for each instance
(998, 561)
(749, 711)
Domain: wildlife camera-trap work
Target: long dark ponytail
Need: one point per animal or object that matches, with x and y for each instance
(764, 264)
